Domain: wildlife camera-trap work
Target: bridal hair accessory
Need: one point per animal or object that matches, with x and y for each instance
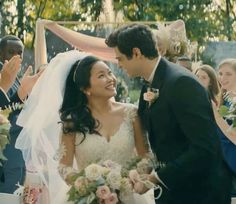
(74, 75)
(151, 95)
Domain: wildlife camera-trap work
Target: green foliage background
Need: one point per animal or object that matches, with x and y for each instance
(206, 20)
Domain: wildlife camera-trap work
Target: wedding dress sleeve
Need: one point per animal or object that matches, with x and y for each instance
(131, 111)
(66, 154)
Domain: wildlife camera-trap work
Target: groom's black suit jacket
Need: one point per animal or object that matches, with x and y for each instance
(182, 134)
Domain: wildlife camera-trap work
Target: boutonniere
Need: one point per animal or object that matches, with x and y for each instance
(151, 95)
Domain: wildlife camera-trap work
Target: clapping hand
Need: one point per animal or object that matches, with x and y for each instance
(27, 82)
(9, 72)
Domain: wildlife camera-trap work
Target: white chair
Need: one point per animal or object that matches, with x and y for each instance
(6, 198)
(233, 200)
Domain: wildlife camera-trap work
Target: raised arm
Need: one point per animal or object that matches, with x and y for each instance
(87, 43)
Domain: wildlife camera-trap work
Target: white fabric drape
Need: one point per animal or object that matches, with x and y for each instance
(86, 43)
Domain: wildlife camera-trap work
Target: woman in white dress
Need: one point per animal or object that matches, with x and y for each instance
(94, 126)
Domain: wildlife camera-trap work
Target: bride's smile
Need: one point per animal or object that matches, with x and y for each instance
(102, 81)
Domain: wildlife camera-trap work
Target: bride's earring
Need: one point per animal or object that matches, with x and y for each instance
(87, 93)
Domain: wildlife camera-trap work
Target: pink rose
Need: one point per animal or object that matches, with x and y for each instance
(112, 199)
(134, 176)
(151, 95)
(103, 192)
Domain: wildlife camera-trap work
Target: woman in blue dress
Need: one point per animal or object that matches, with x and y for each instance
(207, 76)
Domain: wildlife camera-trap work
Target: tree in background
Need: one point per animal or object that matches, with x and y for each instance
(19, 16)
(205, 19)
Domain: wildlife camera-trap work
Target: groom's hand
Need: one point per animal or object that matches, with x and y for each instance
(140, 187)
(153, 178)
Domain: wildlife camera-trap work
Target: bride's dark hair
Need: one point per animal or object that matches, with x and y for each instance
(74, 113)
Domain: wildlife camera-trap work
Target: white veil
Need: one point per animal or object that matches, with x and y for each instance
(39, 138)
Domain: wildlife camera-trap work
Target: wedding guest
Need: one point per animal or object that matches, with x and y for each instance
(13, 169)
(8, 75)
(208, 77)
(227, 79)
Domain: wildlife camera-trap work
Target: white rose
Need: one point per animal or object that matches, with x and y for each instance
(93, 172)
(114, 179)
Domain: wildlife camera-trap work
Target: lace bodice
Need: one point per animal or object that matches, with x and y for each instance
(95, 148)
(120, 148)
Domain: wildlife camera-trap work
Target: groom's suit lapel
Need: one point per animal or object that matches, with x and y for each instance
(159, 77)
(156, 83)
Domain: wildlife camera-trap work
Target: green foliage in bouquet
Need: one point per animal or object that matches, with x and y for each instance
(4, 131)
(5, 127)
(84, 195)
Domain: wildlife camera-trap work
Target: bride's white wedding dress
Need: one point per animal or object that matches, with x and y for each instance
(39, 138)
(120, 149)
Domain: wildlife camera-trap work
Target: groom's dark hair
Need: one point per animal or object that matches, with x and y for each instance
(134, 36)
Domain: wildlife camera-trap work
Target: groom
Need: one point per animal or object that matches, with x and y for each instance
(179, 119)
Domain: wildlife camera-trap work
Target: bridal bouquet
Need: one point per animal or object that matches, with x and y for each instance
(4, 131)
(5, 126)
(108, 182)
(229, 112)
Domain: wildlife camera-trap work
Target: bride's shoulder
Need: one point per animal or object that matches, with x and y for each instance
(129, 109)
(126, 106)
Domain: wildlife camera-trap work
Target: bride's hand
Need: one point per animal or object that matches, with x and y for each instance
(45, 22)
(27, 83)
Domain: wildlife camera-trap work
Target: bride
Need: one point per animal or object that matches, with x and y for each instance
(78, 91)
